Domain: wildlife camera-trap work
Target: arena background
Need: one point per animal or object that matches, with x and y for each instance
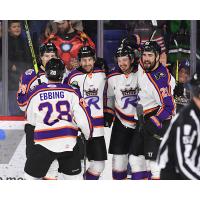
(106, 34)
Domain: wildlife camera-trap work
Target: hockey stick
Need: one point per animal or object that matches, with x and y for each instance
(35, 65)
(84, 155)
(155, 24)
(177, 61)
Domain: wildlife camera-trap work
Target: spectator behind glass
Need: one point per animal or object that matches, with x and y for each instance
(19, 60)
(181, 95)
(144, 29)
(68, 41)
(51, 28)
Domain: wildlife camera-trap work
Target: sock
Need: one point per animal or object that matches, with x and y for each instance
(139, 175)
(119, 175)
(90, 176)
(149, 175)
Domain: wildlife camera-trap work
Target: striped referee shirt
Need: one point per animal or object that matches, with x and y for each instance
(180, 148)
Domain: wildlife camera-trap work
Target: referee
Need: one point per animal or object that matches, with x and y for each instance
(179, 153)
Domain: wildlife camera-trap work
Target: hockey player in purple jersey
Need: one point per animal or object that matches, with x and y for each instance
(156, 87)
(57, 111)
(120, 106)
(29, 79)
(91, 80)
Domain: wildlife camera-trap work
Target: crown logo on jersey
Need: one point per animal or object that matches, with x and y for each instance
(128, 92)
(91, 92)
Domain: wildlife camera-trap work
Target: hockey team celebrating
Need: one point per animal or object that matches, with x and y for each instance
(68, 107)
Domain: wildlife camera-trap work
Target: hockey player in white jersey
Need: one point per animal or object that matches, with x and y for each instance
(121, 101)
(57, 111)
(156, 96)
(91, 81)
(28, 81)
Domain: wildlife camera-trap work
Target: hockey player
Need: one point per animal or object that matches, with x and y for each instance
(68, 41)
(29, 80)
(57, 111)
(179, 153)
(91, 81)
(121, 101)
(156, 96)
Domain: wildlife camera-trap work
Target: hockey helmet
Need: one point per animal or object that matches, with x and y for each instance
(47, 48)
(124, 51)
(55, 69)
(86, 51)
(130, 41)
(151, 46)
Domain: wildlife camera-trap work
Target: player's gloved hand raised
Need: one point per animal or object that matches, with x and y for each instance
(108, 119)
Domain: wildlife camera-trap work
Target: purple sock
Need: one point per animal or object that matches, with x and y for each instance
(139, 175)
(119, 175)
(149, 175)
(90, 176)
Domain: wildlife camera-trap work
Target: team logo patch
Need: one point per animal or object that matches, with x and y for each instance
(29, 72)
(159, 75)
(92, 97)
(130, 97)
(74, 84)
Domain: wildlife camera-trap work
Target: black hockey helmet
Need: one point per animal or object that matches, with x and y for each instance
(55, 69)
(124, 51)
(47, 48)
(194, 85)
(151, 46)
(86, 51)
(130, 41)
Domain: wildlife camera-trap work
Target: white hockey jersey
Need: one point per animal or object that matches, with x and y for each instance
(156, 93)
(28, 81)
(91, 87)
(122, 96)
(57, 111)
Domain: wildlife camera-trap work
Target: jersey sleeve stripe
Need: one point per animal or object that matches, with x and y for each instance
(156, 86)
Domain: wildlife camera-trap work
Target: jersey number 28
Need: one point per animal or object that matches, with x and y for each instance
(62, 114)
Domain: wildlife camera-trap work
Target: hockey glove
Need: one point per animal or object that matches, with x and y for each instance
(152, 128)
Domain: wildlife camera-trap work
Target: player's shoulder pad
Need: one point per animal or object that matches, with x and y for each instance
(114, 72)
(36, 89)
(99, 69)
(28, 75)
(74, 90)
(161, 76)
(73, 73)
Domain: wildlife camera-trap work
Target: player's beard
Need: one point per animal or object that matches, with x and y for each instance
(125, 69)
(87, 68)
(148, 66)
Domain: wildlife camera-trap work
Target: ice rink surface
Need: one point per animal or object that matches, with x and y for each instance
(12, 149)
